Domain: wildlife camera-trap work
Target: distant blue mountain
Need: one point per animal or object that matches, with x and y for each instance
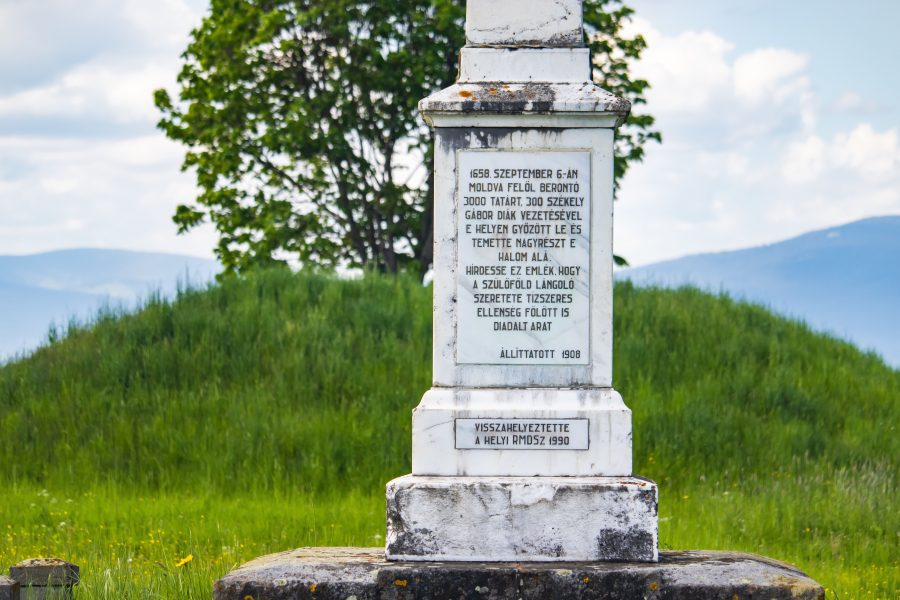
(38, 290)
(844, 280)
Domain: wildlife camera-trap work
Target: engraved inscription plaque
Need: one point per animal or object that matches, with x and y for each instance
(522, 434)
(523, 272)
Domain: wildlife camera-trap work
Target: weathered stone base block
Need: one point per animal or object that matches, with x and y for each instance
(9, 588)
(45, 578)
(363, 574)
(522, 519)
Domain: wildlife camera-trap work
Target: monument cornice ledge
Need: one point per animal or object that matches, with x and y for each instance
(580, 100)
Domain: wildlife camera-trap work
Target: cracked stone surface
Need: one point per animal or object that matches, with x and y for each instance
(524, 23)
(521, 518)
(364, 574)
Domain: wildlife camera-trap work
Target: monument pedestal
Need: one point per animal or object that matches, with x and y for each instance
(522, 448)
(364, 574)
(539, 519)
(521, 474)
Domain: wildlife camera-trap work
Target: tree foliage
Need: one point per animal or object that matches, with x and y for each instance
(613, 54)
(300, 122)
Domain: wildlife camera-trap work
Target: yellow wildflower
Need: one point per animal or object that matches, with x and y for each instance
(185, 560)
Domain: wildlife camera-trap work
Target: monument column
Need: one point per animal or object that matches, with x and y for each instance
(522, 448)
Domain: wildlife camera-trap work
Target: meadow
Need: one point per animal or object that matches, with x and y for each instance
(161, 449)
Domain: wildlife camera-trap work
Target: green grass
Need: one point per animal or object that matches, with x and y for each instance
(267, 413)
(128, 544)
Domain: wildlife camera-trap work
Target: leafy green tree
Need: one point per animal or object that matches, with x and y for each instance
(300, 122)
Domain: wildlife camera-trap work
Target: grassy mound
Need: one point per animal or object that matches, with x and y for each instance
(277, 382)
(286, 398)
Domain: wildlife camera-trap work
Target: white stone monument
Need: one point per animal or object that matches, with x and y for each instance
(522, 448)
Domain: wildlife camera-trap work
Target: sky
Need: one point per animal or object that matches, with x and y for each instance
(778, 117)
(81, 161)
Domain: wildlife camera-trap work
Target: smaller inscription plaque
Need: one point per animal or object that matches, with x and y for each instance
(522, 434)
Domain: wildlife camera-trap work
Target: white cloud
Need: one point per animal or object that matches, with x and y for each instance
(875, 156)
(162, 23)
(727, 164)
(747, 158)
(117, 93)
(695, 75)
(82, 163)
(97, 193)
(687, 71)
(853, 102)
(769, 74)
(98, 59)
(805, 160)
(41, 40)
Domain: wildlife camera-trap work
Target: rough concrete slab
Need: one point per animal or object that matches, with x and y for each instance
(44, 572)
(364, 574)
(9, 588)
(51, 592)
(552, 519)
(45, 578)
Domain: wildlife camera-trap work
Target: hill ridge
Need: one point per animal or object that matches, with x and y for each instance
(60, 285)
(844, 279)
